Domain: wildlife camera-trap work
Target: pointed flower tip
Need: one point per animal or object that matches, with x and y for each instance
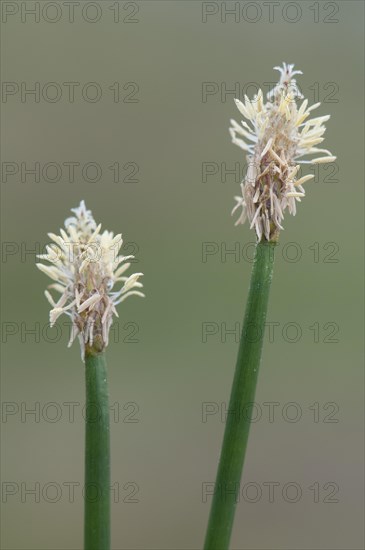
(323, 160)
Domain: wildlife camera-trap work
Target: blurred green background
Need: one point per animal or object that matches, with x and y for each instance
(163, 446)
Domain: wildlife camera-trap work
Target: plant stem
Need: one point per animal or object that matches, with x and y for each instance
(238, 422)
(97, 455)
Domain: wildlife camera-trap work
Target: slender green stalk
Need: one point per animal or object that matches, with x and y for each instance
(97, 455)
(227, 485)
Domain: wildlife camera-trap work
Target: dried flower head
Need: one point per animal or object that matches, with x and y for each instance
(85, 265)
(280, 134)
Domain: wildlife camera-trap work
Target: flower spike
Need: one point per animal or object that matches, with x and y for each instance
(85, 265)
(276, 135)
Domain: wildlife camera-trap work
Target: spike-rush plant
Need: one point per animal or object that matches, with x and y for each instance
(280, 135)
(85, 266)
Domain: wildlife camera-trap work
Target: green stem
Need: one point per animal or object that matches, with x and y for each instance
(227, 485)
(97, 455)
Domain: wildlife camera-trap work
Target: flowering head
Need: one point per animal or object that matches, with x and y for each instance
(280, 137)
(85, 265)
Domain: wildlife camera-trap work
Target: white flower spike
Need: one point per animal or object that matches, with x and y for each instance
(276, 135)
(85, 265)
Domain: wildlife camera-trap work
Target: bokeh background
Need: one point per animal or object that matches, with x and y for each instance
(173, 141)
